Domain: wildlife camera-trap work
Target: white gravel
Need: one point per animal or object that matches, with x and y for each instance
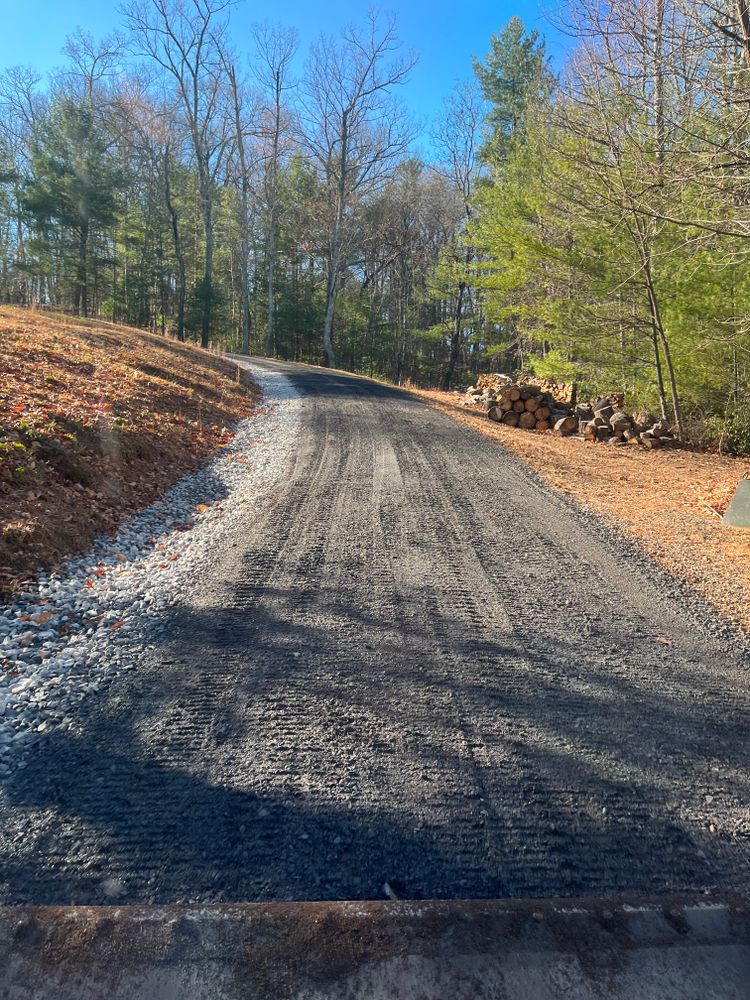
(77, 628)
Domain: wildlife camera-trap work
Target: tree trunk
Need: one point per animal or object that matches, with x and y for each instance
(244, 221)
(273, 194)
(330, 309)
(178, 251)
(660, 339)
(336, 236)
(81, 293)
(270, 331)
(659, 120)
(672, 385)
(456, 337)
(743, 17)
(659, 374)
(208, 271)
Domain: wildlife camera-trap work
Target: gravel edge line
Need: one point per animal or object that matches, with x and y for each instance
(75, 629)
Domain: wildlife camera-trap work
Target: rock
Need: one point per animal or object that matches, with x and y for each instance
(113, 888)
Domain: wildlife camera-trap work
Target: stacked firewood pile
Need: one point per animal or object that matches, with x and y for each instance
(518, 405)
(604, 419)
(559, 392)
(542, 406)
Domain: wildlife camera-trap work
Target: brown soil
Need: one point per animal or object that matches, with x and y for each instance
(96, 421)
(669, 500)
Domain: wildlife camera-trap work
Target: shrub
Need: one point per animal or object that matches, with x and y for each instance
(731, 433)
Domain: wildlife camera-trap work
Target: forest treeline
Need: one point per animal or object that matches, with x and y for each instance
(587, 223)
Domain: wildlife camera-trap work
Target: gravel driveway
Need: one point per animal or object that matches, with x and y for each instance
(409, 663)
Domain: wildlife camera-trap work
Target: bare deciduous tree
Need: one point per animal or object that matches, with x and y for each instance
(186, 39)
(242, 175)
(94, 63)
(355, 130)
(456, 139)
(275, 47)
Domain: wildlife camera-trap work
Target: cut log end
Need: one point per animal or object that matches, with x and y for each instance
(566, 426)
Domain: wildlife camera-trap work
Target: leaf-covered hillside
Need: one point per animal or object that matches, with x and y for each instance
(96, 421)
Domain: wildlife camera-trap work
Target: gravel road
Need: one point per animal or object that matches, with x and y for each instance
(409, 663)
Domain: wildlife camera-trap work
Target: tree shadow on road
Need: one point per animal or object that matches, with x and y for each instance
(330, 765)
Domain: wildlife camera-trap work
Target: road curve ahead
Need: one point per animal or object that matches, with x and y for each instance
(417, 667)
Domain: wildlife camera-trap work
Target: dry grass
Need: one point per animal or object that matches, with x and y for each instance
(668, 500)
(96, 421)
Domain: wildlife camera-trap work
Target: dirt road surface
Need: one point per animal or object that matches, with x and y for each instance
(419, 667)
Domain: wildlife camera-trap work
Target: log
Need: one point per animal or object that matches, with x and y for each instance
(620, 421)
(495, 381)
(566, 426)
(532, 407)
(596, 432)
(613, 399)
(650, 441)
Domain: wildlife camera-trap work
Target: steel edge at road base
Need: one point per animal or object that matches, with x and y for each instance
(404, 950)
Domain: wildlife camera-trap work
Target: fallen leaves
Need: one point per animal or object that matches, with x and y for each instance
(130, 413)
(719, 494)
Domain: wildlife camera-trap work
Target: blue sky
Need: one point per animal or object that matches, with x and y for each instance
(445, 33)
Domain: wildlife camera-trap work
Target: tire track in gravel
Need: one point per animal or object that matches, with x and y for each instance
(520, 585)
(414, 665)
